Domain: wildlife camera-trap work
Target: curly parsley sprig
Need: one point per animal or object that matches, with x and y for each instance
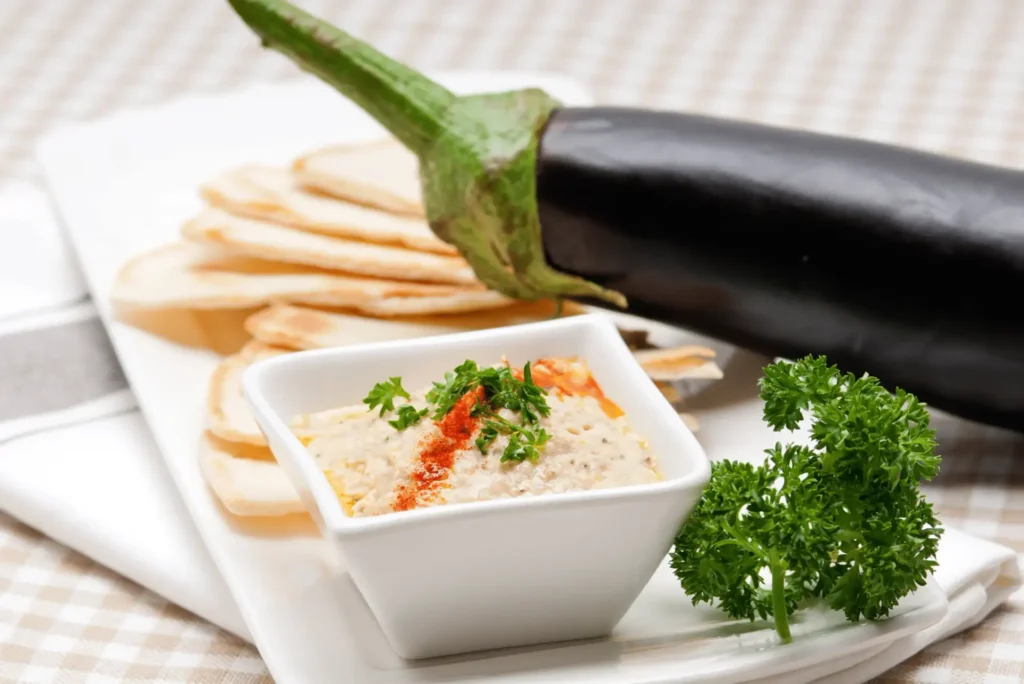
(384, 394)
(842, 519)
(502, 390)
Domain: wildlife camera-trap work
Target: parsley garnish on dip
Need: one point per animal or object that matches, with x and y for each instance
(480, 433)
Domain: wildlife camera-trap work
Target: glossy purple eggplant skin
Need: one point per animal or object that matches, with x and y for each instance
(902, 264)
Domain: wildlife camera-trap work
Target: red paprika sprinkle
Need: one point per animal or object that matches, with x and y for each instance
(437, 452)
(556, 374)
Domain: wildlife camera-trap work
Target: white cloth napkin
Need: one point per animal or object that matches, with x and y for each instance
(83, 468)
(89, 475)
(37, 269)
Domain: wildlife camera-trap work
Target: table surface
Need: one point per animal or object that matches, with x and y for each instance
(941, 75)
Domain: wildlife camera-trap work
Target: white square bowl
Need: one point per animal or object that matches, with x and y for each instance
(511, 572)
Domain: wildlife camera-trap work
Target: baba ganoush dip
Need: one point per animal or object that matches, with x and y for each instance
(483, 433)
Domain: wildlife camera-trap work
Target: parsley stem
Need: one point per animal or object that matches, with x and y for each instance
(779, 599)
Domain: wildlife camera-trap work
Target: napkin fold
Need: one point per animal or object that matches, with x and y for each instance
(77, 461)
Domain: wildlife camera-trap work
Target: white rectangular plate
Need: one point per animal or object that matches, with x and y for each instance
(126, 183)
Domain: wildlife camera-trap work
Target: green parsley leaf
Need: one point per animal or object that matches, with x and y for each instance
(383, 394)
(444, 395)
(488, 433)
(840, 520)
(502, 390)
(407, 415)
(525, 445)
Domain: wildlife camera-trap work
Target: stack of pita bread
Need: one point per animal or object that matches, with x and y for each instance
(333, 250)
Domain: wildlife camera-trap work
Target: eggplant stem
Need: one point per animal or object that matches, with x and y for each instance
(409, 105)
(477, 153)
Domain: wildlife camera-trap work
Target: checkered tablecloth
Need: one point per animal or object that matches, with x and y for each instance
(946, 75)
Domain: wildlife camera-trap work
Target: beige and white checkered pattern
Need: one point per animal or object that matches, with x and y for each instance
(65, 619)
(946, 75)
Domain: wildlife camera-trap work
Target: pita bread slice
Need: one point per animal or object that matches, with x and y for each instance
(272, 194)
(228, 413)
(254, 349)
(379, 173)
(197, 276)
(247, 486)
(301, 328)
(457, 302)
(230, 420)
(276, 242)
(690, 421)
(686, 362)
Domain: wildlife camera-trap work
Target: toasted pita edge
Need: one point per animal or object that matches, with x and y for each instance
(219, 394)
(349, 189)
(265, 329)
(261, 204)
(364, 194)
(690, 421)
(276, 241)
(199, 275)
(253, 349)
(245, 486)
(469, 301)
(166, 262)
(302, 327)
(685, 362)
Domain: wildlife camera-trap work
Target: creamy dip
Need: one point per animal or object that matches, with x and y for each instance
(376, 468)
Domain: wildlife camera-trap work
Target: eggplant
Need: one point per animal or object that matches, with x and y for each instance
(888, 261)
(885, 260)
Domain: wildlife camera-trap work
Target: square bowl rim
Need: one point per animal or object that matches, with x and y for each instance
(329, 507)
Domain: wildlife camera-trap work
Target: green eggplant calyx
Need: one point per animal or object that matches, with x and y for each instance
(480, 185)
(477, 153)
